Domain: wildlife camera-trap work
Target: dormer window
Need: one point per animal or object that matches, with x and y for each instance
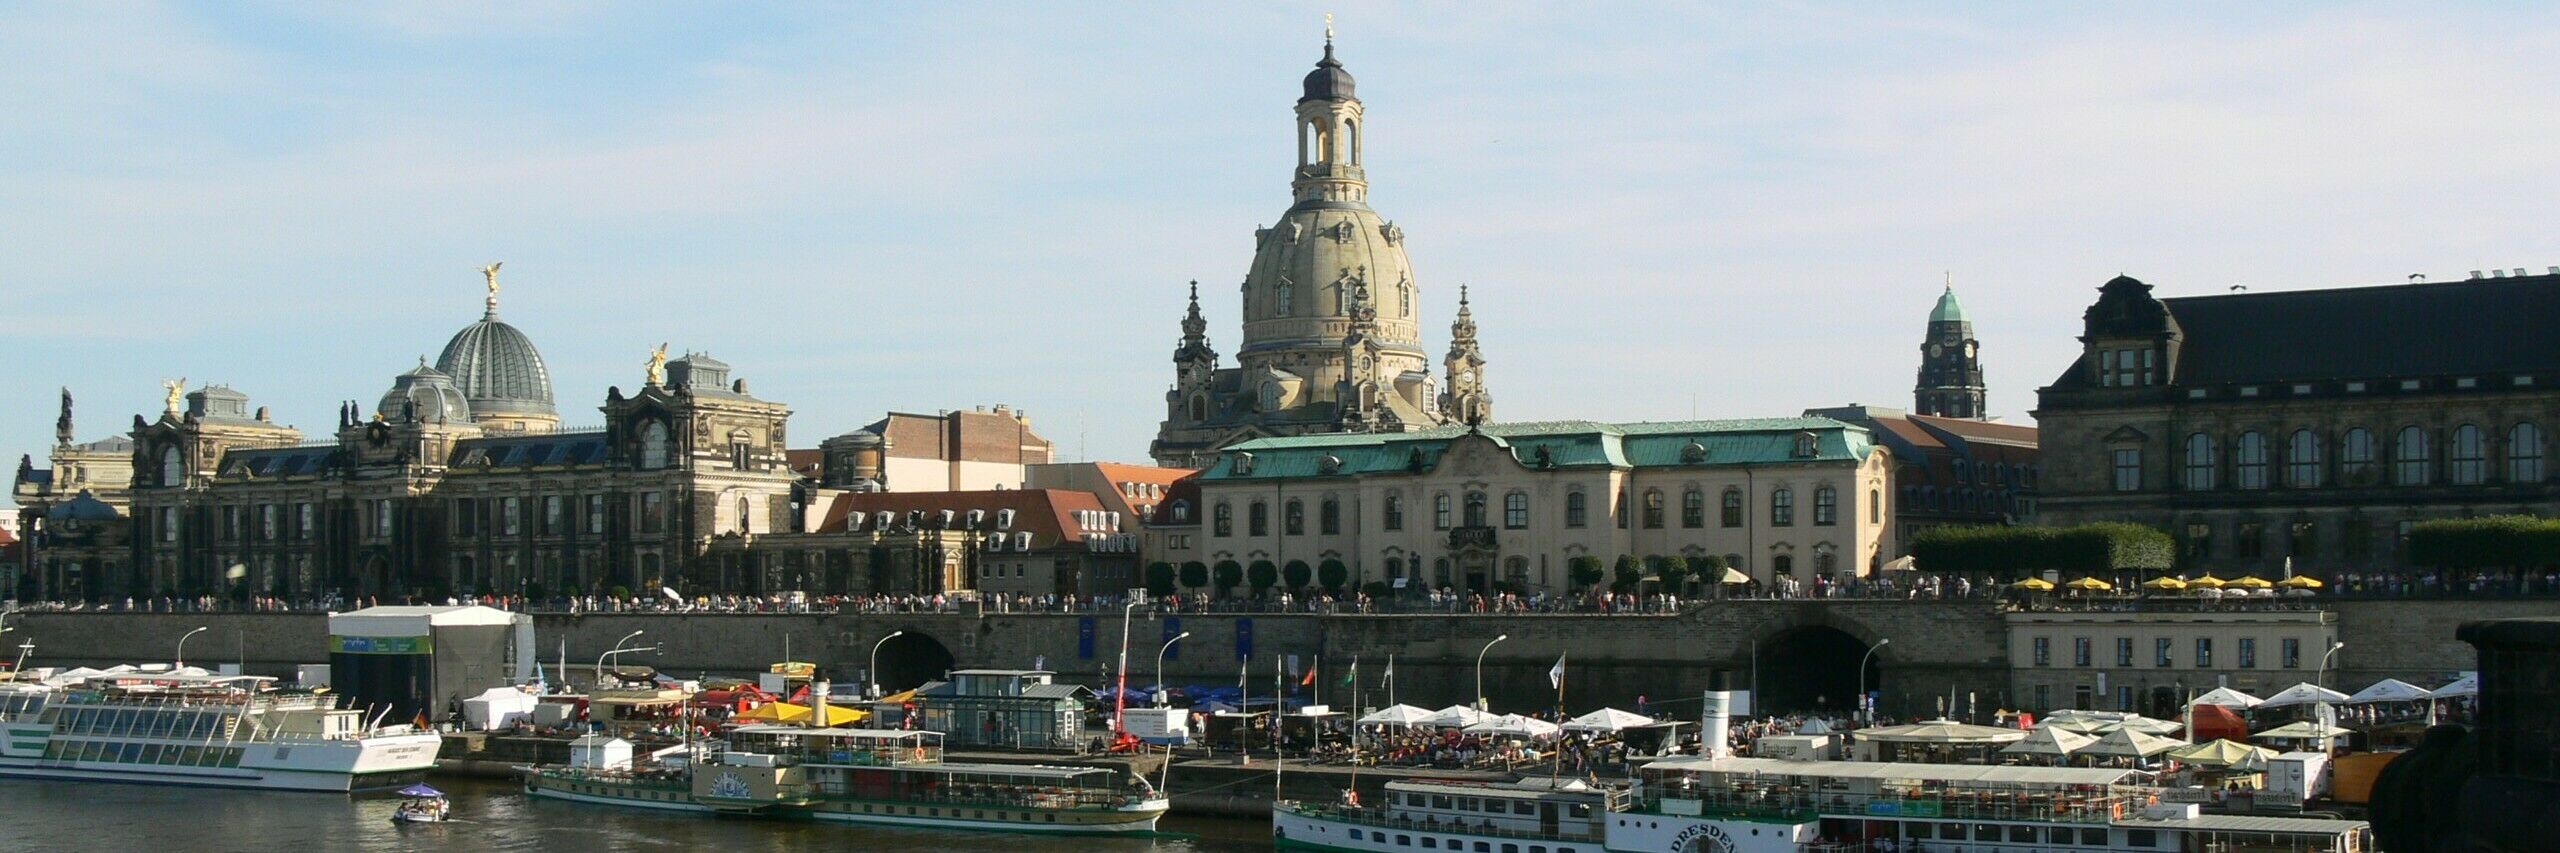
(1244, 463)
(977, 518)
(1004, 519)
(1805, 445)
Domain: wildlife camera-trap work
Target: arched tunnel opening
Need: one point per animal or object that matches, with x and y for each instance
(1812, 670)
(910, 659)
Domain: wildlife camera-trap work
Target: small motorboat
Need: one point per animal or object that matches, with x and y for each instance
(423, 805)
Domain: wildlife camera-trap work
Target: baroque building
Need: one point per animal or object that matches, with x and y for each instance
(2311, 427)
(1332, 325)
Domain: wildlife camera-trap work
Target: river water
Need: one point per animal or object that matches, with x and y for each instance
(42, 817)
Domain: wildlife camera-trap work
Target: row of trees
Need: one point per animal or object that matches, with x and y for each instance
(2012, 553)
(2490, 542)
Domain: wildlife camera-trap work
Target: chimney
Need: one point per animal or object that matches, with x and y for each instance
(818, 703)
(1714, 727)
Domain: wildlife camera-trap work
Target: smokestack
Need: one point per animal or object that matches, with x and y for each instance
(1713, 726)
(818, 703)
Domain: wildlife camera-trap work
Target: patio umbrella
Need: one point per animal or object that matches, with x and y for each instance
(2303, 694)
(420, 790)
(2225, 754)
(1734, 575)
(2208, 582)
(2129, 743)
(1513, 725)
(2034, 584)
(2091, 584)
(1606, 720)
(2468, 685)
(2050, 742)
(1942, 732)
(1396, 715)
(1454, 717)
(2300, 582)
(2303, 730)
(2165, 582)
(2390, 690)
(2140, 723)
(2228, 698)
(2254, 582)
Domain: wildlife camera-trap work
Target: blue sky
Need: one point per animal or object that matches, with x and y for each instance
(1736, 210)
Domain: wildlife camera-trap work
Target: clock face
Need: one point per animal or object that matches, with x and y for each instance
(1936, 350)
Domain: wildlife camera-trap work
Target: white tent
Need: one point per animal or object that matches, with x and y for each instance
(2140, 723)
(2050, 742)
(498, 708)
(2305, 693)
(1513, 725)
(2303, 730)
(2390, 690)
(1454, 717)
(2129, 743)
(2229, 698)
(1396, 715)
(1942, 732)
(1606, 720)
(2225, 754)
(2468, 685)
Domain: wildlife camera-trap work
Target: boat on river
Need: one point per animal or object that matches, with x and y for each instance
(423, 805)
(887, 777)
(183, 726)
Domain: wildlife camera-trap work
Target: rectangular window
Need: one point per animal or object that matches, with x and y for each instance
(1440, 511)
(2079, 651)
(1652, 510)
(1732, 508)
(595, 513)
(1294, 518)
(2107, 368)
(267, 522)
(1257, 519)
(2128, 468)
(2124, 651)
(552, 511)
(2124, 697)
(511, 516)
(2248, 653)
(168, 525)
(1693, 509)
(2044, 697)
(2249, 542)
(2044, 651)
(1329, 517)
(1515, 511)
(309, 521)
(2162, 652)
(653, 512)
(230, 522)
(1782, 508)
(1393, 517)
(466, 517)
(382, 518)
(2290, 649)
(1577, 509)
(2204, 652)
(2302, 539)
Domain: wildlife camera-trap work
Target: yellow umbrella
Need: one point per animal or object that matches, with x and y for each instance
(2254, 582)
(2036, 584)
(2208, 582)
(2170, 582)
(2090, 584)
(2301, 582)
(777, 712)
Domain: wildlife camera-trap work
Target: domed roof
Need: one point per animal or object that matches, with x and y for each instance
(430, 394)
(85, 507)
(497, 368)
(1328, 82)
(1949, 310)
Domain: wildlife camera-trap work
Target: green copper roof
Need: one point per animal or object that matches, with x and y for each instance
(1559, 444)
(1949, 310)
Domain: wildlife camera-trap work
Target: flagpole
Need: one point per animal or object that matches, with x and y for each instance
(1391, 679)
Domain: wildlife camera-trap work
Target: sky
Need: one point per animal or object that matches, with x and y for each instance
(1664, 211)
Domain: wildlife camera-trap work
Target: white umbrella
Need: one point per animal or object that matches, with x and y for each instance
(2140, 723)
(2305, 693)
(2390, 690)
(1513, 725)
(2303, 730)
(1396, 715)
(1606, 720)
(2051, 742)
(1814, 726)
(1941, 732)
(2129, 743)
(2227, 754)
(1454, 717)
(2468, 685)
(2229, 698)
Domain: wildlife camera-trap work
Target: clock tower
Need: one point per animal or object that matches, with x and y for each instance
(1950, 383)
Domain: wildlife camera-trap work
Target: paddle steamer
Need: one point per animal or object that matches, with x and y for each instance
(167, 726)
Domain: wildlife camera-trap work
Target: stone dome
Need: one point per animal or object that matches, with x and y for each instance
(1329, 82)
(84, 507)
(497, 369)
(430, 393)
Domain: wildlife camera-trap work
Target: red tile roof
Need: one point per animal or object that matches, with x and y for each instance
(1048, 514)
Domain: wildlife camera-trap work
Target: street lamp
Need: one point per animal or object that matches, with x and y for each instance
(182, 644)
(1481, 705)
(1168, 645)
(2322, 678)
(873, 674)
(1862, 680)
(614, 652)
(23, 650)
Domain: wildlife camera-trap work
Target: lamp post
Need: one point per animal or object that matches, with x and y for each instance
(1168, 645)
(610, 650)
(2322, 677)
(1865, 711)
(1480, 703)
(182, 644)
(873, 674)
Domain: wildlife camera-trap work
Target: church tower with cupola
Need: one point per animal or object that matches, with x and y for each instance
(1950, 383)
(1332, 325)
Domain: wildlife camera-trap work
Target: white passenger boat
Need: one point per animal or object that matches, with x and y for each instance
(186, 727)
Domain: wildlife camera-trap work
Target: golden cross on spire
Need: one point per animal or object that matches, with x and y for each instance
(1951, 279)
(1328, 28)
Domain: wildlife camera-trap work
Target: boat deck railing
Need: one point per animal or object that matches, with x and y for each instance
(662, 780)
(1095, 798)
(1382, 818)
(1787, 802)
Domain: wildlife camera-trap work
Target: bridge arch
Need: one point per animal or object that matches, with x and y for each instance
(908, 660)
(1810, 663)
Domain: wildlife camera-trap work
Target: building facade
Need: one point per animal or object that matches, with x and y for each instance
(2150, 662)
(1332, 325)
(1951, 471)
(1510, 505)
(2306, 427)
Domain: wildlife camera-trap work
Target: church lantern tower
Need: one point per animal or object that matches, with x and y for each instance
(1466, 401)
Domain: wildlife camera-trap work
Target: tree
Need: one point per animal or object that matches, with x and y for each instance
(1262, 575)
(1333, 574)
(2010, 553)
(1586, 571)
(1298, 574)
(1674, 572)
(1228, 573)
(1160, 578)
(1630, 572)
(2512, 542)
(1195, 574)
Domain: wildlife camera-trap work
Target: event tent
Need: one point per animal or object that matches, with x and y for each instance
(1606, 720)
(1396, 715)
(2228, 698)
(2390, 690)
(2303, 694)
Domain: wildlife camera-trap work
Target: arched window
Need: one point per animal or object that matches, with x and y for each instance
(2302, 460)
(2355, 456)
(2409, 457)
(1293, 517)
(1783, 564)
(2249, 462)
(1393, 517)
(1653, 509)
(2468, 463)
(1782, 507)
(745, 517)
(1577, 509)
(1515, 510)
(1199, 407)
(1875, 506)
(1732, 507)
(1693, 508)
(1222, 520)
(1440, 511)
(1329, 517)
(2524, 453)
(2199, 462)
(1257, 519)
(1475, 509)
(1824, 563)
(1826, 506)
(1285, 299)
(654, 450)
(173, 467)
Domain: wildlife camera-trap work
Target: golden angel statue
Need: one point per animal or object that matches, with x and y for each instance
(658, 365)
(177, 393)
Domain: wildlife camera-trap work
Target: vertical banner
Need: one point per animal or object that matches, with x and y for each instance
(1244, 638)
(1084, 638)
(1172, 629)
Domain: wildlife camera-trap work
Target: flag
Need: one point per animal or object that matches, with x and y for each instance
(1555, 676)
(1244, 670)
(1351, 677)
(1310, 678)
